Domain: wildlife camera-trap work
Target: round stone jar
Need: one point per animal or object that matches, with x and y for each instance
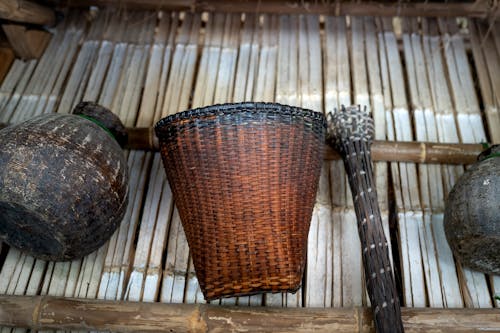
(63, 182)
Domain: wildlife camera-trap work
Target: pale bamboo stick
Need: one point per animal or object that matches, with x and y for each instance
(331, 97)
(10, 107)
(176, 99)
(424, 119)
(54, 96)
(433, 197)
(469, 119)
(317, 290)
(473, 283)
(43, 76)
(491, 105)
(409, 214)
(73, 90)
(244, 73)
(126, 102)
(9, 85)
(135, 285)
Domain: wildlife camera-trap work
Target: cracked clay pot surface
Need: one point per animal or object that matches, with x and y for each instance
(63, 186)
(472, 215)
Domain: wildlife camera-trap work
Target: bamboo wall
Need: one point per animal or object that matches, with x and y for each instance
(423, 79)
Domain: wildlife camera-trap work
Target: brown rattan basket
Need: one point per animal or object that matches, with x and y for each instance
(244, 177)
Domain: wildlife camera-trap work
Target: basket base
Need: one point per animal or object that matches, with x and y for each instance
(211, 297)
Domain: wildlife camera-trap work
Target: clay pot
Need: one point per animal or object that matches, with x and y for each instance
(63, 183)
(472, 215)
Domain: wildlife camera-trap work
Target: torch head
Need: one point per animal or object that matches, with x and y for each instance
(349, 124)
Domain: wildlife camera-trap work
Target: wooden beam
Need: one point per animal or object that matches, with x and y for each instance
(389, 151)
(46, 312)
(417, 152)
(6, 59)
(26, 43)
(365, 8)
(26, 12)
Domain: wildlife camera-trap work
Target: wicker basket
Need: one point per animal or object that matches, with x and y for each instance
(244, 177)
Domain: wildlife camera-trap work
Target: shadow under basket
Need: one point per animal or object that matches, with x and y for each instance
(244, 177)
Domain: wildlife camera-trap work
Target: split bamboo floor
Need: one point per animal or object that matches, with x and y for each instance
(422, 79)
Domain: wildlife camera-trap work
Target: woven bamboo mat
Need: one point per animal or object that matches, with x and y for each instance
(426, 79)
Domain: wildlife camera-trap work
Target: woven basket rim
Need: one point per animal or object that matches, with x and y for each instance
(249, 107)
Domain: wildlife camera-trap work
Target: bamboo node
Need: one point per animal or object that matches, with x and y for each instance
(423, 152)
(36, 311)
(197, 323)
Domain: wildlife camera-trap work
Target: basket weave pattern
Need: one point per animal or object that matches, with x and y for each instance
(244, 177)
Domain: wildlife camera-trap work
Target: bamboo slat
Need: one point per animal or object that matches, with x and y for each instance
(462, 89)
(144, 281)
(439, 269)
(310, 85)
(417, 82)
(43, 76)
(125, 103)
(10, 107)
(177, 98)
(487, 63)
(473, 283)
(407, 202)
(9, 85)
(210, 50)
(421, 101)
(330, 70)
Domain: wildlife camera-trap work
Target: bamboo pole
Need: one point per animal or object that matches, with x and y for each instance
(376, 8)
(46, 312)
(143, 138)
(27, 12)
(417, 152)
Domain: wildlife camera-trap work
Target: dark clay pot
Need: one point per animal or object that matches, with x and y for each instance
(472, 215)
(63, 183)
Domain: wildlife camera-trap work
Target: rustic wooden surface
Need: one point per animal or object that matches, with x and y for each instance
(394, 151)
(6, 59)
(26, 12)
(26, 43)
(45, 312)
(375, 8)
(146, 65)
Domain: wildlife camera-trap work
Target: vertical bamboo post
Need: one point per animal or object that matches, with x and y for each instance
(351, 132)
